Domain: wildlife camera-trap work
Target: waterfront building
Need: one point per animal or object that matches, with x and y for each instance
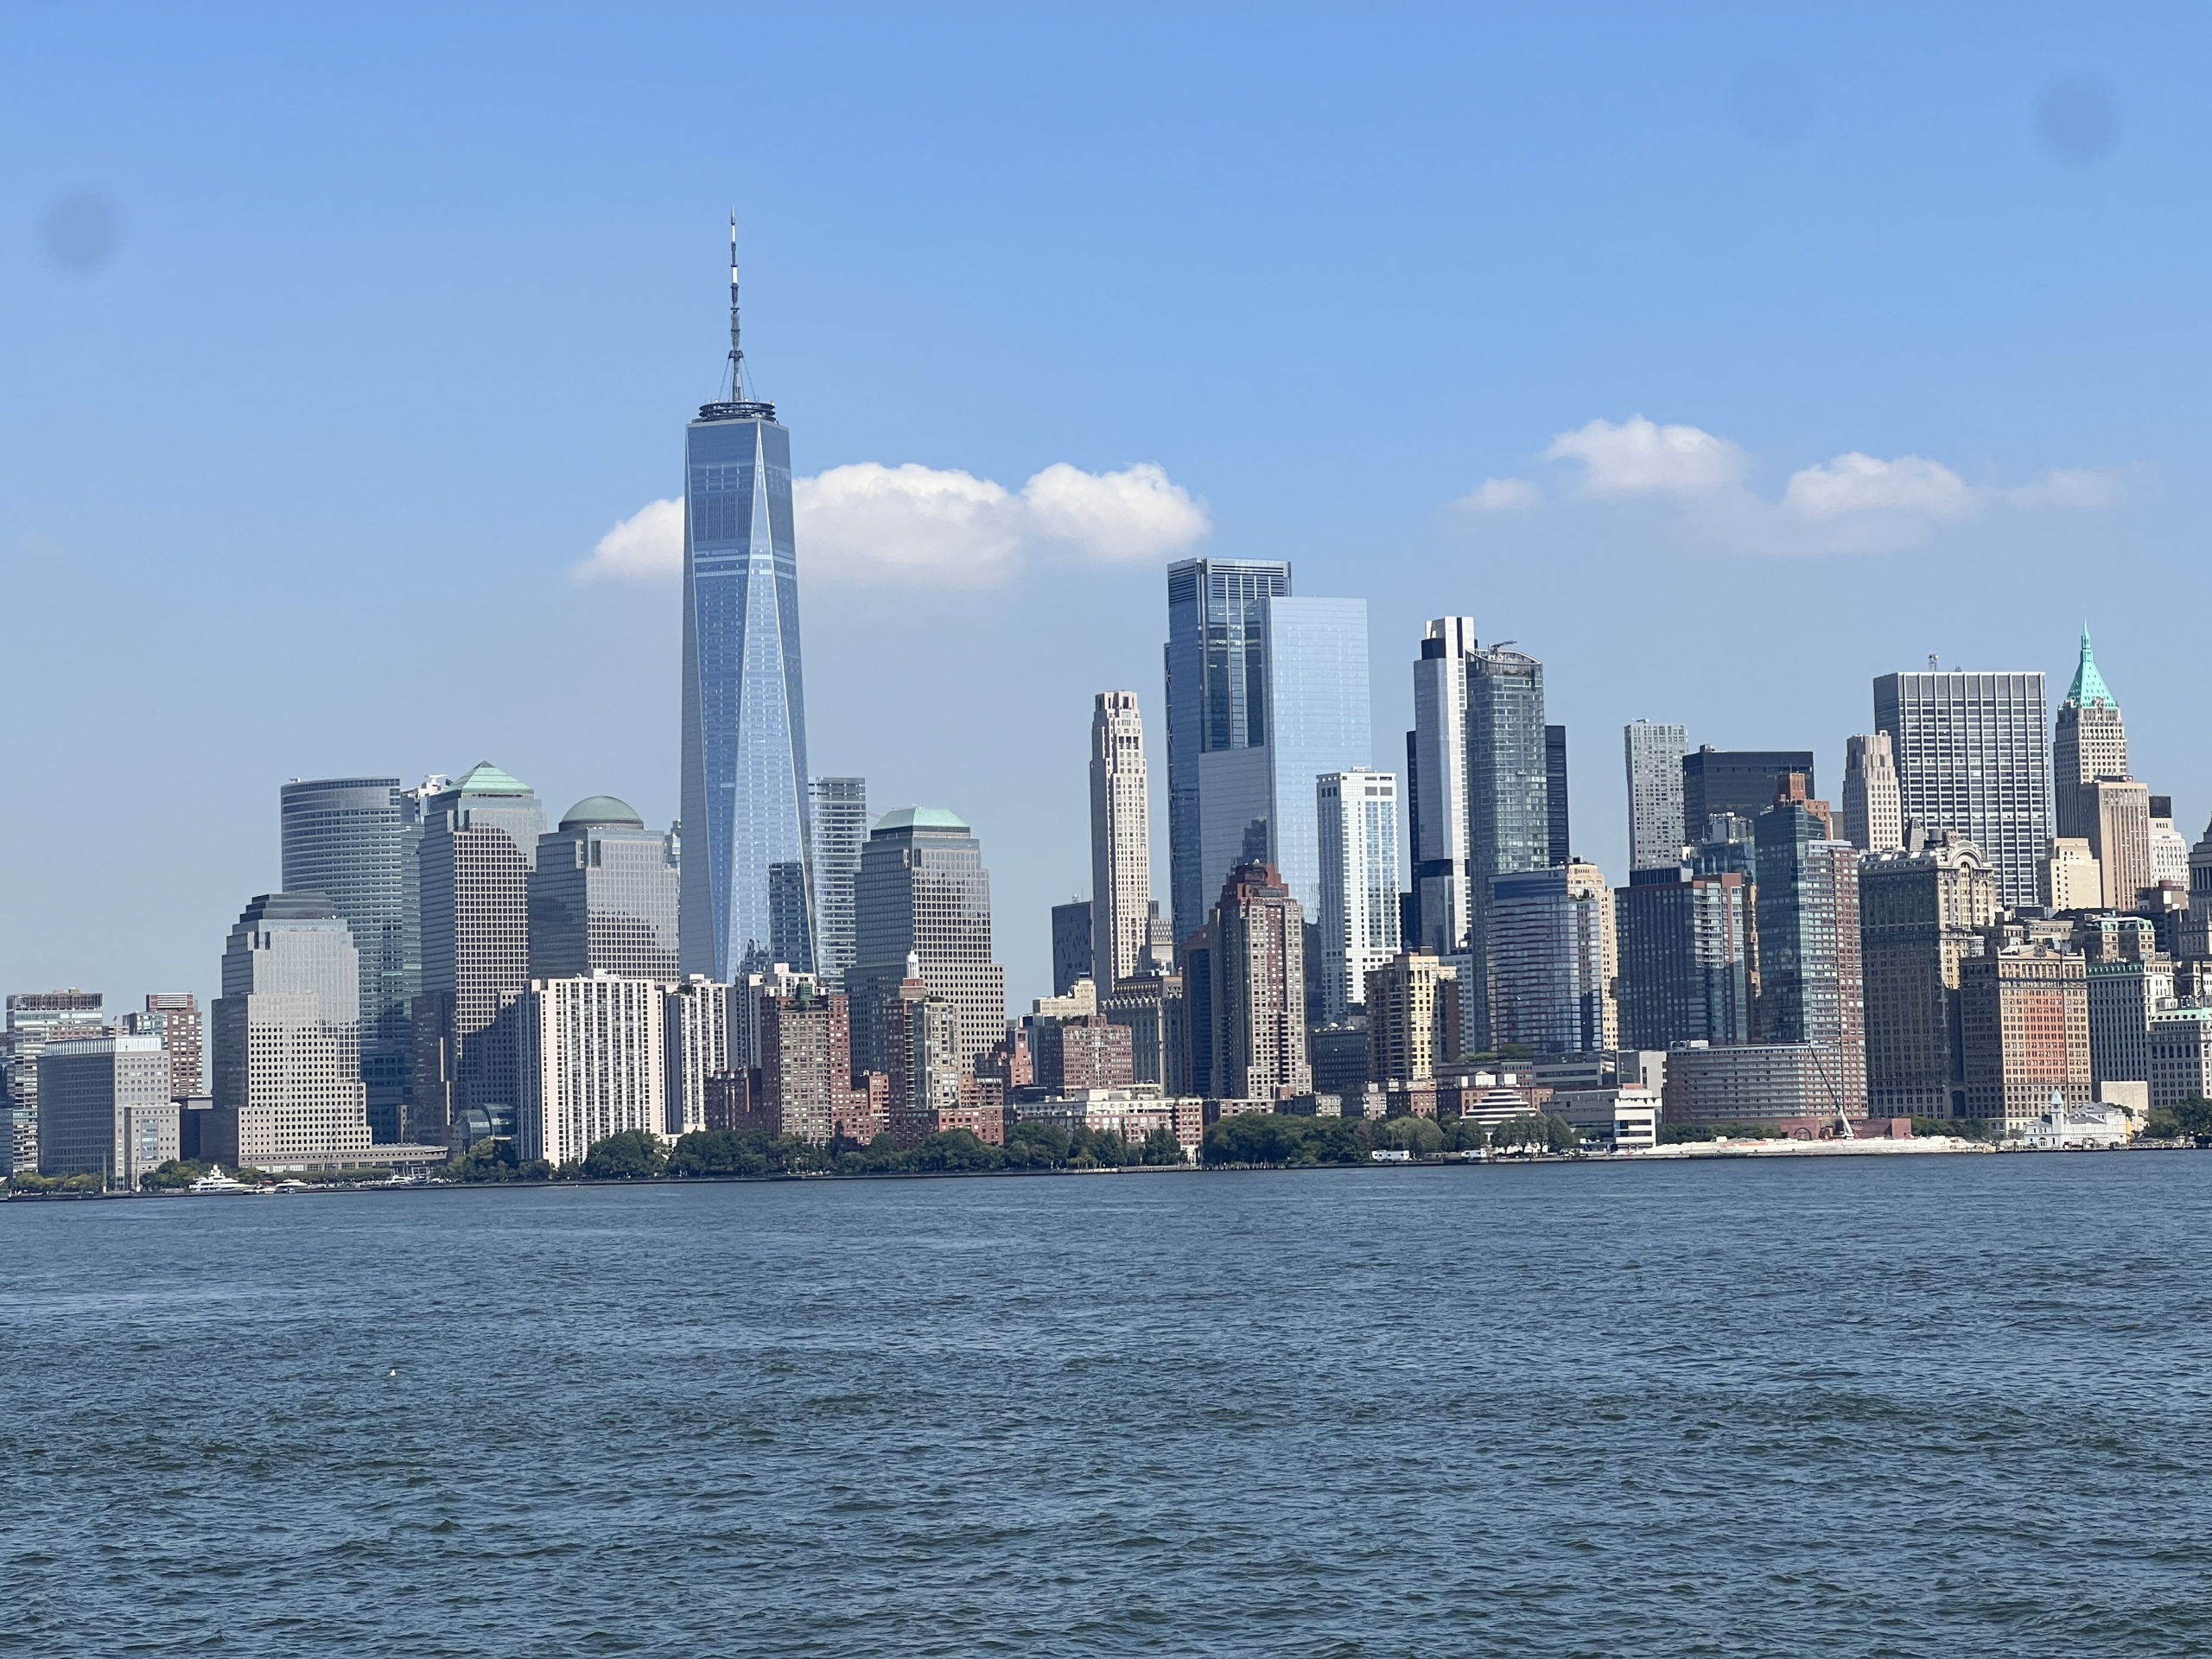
(478, 843)
(2181, 1053)
(1654, 757)
(806, 1065)
(1553, 959)
(105, 1109)
(1414, 1030)
(1685, 957)
(1339, 1054)
(2024, 1017)
(1559, 833)
(697, 1018)
(288, 1039)
(2118, 813)
(1121, 840)
(1972, 757)
(33, 1019)
(746, 803)
(1437, 820)
(2068, 877)
(353, 839)
(1754, 1083)
(922, 1043)
(2089, 742)
(2125, 995)
(1737, 781)
(1358, 814)
(840, 830)
(1071, 946)
(1807, 906)
(1874, 810)
(603, 896)
(923, 890)
(1922, 913)
(1217, 716)
(1258, 941)
(593, 1062)
(174, 1016)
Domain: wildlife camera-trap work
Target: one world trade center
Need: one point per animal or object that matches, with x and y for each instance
(747, 884)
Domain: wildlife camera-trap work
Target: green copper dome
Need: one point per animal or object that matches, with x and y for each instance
(2088, 687)
(485, 779)
(920, 817)
(601, 810)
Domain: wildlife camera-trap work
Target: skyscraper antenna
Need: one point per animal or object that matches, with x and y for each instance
(736, 351)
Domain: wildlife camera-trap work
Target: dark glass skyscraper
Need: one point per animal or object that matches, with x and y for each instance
(1508, 791)
(745, 800)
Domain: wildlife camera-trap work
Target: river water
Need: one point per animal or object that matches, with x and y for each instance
(1927, 1405)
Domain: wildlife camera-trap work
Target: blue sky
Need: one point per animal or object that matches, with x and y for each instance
(334, 345)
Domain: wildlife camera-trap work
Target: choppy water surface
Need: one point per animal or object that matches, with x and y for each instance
(1898, 1406)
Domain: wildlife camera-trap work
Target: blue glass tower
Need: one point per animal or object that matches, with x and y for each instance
(747, 845)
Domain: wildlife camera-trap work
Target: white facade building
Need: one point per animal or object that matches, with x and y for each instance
(593, 1059)
(700, 1028)
(1437, 826)
(1357, 813)
(1654, 754)
(1121, 840)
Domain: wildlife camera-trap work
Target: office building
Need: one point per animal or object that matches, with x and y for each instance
(2068, 877)
(2089, 742)
(745, 803)
(1737, 781)
(288, 1086)
(1090, 1052)
(1654, 757)
(923, 890)
(33, 1019)
(1810, 989)
(2125, 995)
(1755, 1083)
(1121, 840)
(1557, 828)
(479, 844)
(1258, 941)
(2024, 1021)
(1071, 946)
(1437, 819)
(352, 839)
(1414, 1029)
(1874, 811)
(703, 1045)
(1685, 957)
(1553, 960)
(1318, 722)
(1922, 913)
(2118, 813)
(2169, 847)
(1217, 716)
(173, 1017)
(603, 896)
(1508, 805)
(840, 830)
(922, 1043)
(1357, 817)
(593, 1062)
(1151, 1006)
(1972, 758)
(105, 1109)
(2181, 1054)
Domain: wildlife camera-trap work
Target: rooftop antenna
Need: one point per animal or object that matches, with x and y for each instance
(736, 351)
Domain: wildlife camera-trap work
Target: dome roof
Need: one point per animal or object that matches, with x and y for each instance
(485, 779)
(603, 810)
(920, 817)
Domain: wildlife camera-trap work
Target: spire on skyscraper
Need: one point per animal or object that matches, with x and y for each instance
(2088, 687)
(737, 406)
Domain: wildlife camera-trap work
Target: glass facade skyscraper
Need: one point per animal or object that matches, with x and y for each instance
(1315, 652)
(603, 895)
(1508, 796)
(840, 828)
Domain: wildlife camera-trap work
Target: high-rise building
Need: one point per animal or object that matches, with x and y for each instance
(924, 891)
(2118, 811)
(1971, 757)
(2068, 877)
(1121, 839)
(1088, 1051)
(1258, 940)
(1315, 653)
(1151, 1006)
(2129, 981)
(349, 839)
(1072, 944)
(1437, 818)
(288, 1039)
(1921, 914)
(703, 1044)
(2089, 742)
(593, 1063)
(1553, 960)
(480, 842)
(34, 1018)
(1358, 814)
(1810, 989)
(1217, 716)
(922, 1043)
(2169, 847)
(840, 828)
(2024, 1016)
(1873, 813)
(105, 1109)
(1737, 781)
(1508, 809)
(1655, 832)
(603, 896)
(1413, 1019)
(1558, 827)
(1686, 956)
(174, 1016)
(745, 803)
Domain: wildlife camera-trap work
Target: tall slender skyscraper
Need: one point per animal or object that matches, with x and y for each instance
(1509, 827)
(1216, 719)
(1654, 755)
(1358, 815)
(1559, 827)
(1810, 986)
(1318, 724)
(744, 802)
(1972, 758)
(1436, 787)
(1121, 840)
(923, 895)
(1874, 811)
(2089, 742)
(840, 828)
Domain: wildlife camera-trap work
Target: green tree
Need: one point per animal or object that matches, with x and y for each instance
(1465, 1135)
(1675, 1134)
(1161, 1147)
(174, 1173)
(1417, 1135)
(631, 1155)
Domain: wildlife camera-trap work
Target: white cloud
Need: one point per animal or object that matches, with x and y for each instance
(1640, 457)
(1501, 495)
(648, 546)
(869, 523)
(1854, 483)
